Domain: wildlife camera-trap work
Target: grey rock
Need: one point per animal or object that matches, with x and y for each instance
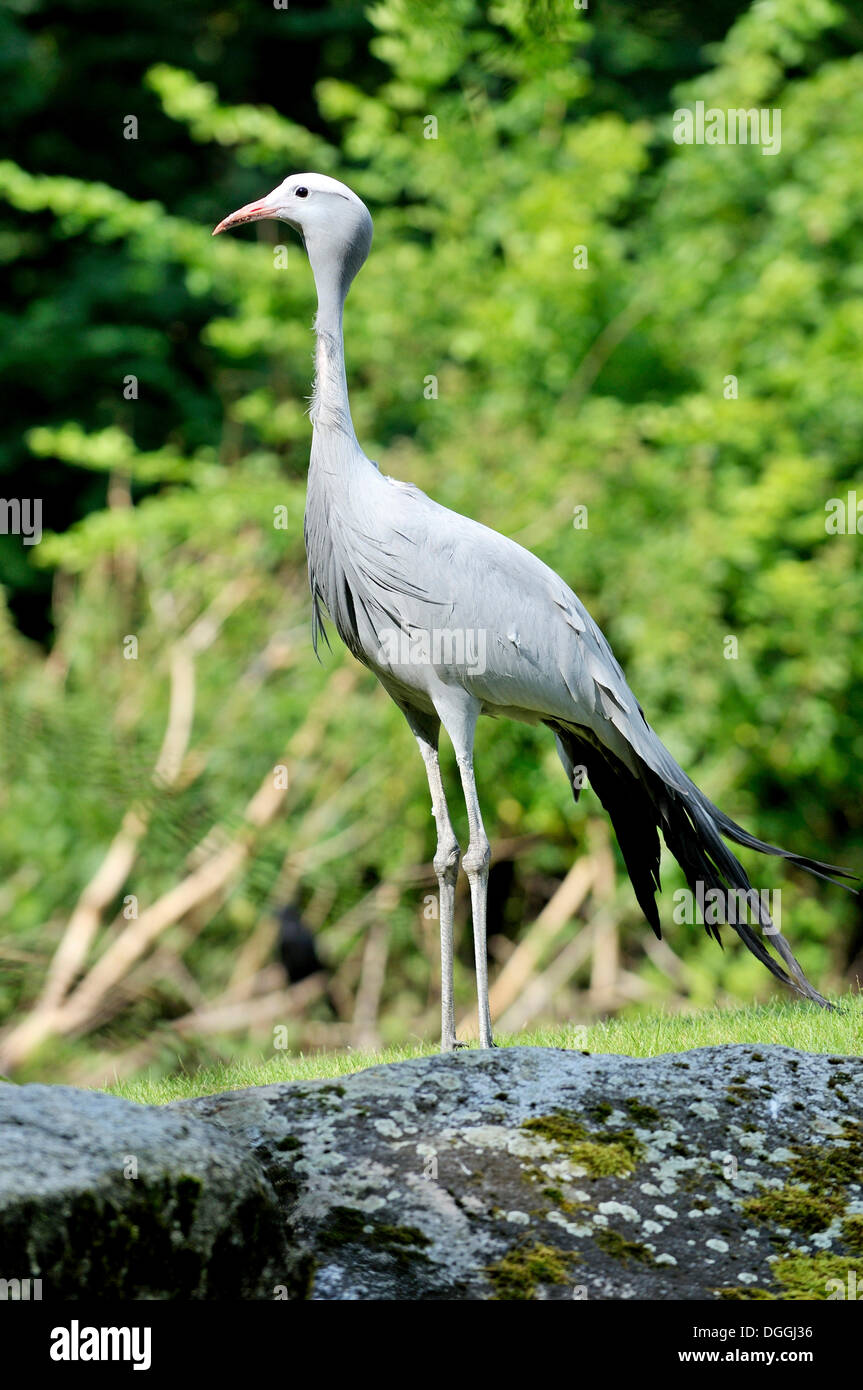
(103, 1198)
(731, 1171)
(531, 1172)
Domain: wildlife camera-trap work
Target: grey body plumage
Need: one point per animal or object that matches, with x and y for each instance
(457, 621)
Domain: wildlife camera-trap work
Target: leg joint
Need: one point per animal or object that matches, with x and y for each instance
(447, 858)
(476, 860)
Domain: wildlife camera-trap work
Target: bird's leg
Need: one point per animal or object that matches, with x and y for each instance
(446, 862)
(476, 862)
(460, 723)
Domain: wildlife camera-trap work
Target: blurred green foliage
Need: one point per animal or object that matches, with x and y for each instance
(557, 387)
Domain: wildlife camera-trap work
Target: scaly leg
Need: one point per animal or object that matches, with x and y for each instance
(460, 724)
(425, 729)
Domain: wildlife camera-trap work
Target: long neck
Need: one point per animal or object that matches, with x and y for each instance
(331, 409)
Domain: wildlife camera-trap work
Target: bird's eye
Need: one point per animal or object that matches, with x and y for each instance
(301, 192)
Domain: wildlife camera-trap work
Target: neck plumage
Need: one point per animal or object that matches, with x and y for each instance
(330, 409)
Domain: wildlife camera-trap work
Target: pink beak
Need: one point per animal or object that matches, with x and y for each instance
(252, 212)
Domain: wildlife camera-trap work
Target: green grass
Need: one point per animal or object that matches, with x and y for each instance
(802, 1026)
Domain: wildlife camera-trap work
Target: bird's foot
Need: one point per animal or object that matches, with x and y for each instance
(452, 1045)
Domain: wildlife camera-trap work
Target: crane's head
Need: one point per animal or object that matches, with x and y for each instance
(335, 225)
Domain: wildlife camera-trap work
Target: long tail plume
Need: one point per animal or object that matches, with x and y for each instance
(660, 797)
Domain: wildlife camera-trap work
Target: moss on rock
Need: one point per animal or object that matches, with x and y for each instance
(814, 1278)
(609, 1153)
(794, 1208)
(348, 1226)
(524, 1268)
(643, 1115)
(745, 1291)
(830, 1166)
(621, 1248)
(852, 1234)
